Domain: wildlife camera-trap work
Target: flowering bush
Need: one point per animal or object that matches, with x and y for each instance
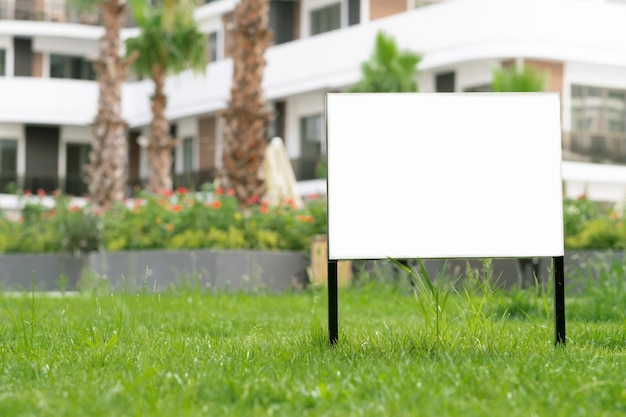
(591, 225)
(214, 219)
(177, 220)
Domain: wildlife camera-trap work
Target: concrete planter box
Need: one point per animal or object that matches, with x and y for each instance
(510, 272)
(156, 270)
(239, 269)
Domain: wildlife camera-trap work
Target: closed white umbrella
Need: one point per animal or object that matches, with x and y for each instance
(280, 180)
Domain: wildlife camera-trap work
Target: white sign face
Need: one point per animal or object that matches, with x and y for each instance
(444, 175)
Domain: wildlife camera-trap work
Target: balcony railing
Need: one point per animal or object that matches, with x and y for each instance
(42, 11)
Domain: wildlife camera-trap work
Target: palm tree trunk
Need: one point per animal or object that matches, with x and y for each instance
(107, 170)
(160, 145)
(246, 117)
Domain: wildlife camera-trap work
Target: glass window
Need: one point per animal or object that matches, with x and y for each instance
(615, 111)
(2, 62)
(326, 19)
(8, 156)
(187, 154)
(598, 129)
(76, 161)
(312, 145)
(482, 88)
(212, 46)
(73, 67)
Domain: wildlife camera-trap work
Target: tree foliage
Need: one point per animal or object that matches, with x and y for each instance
(511, 79)
(389, 69)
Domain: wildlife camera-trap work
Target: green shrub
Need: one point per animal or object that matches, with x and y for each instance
(180, 220)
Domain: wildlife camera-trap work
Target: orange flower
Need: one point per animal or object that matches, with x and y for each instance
(216, 204)
(305, 218)
(219, 191)
(169, 227)
(176, 207)
(231, 191)
(263, 209)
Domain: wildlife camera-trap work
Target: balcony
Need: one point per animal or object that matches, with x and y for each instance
(53, 11)
(37, 100)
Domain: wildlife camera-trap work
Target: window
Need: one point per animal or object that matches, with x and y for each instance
(212, 46)
(8, 163)
(74, 67)
(445, 82)
(312, 146)
(187, 154)
(598, 127)
(326, 19)
(77, 157)
(2, 62)
(482, 88)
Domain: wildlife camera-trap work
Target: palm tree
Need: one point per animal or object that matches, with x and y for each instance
(389, 69)
(246, 117)
(107, 169)
(514, 79)
(169, 43)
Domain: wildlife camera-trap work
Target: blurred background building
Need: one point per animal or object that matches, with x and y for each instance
(48, 95)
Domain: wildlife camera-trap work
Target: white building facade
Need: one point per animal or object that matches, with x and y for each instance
(48, 95)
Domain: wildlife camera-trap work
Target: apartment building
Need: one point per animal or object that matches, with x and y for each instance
(48, 94)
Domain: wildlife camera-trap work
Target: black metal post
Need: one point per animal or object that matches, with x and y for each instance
(559, 301)
(333, 320)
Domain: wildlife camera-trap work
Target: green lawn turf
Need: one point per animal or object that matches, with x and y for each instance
(186, 353)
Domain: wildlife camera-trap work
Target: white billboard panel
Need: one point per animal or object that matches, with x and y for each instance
(444, 175)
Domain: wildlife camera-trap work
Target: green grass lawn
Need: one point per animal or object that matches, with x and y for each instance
(185, 353)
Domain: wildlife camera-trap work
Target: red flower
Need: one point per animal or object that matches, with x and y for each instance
(216, 204)
(74, 207)
(219, 191)
(231, 191)
(166, 193)
(41, 192)
(27, 192)
(182, 190)
(313, 196)
(263, 209)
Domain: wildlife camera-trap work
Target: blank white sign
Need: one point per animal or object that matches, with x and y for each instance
(444, 175)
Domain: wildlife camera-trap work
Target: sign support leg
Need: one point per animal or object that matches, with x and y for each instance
(559, 301)
(333, 321)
